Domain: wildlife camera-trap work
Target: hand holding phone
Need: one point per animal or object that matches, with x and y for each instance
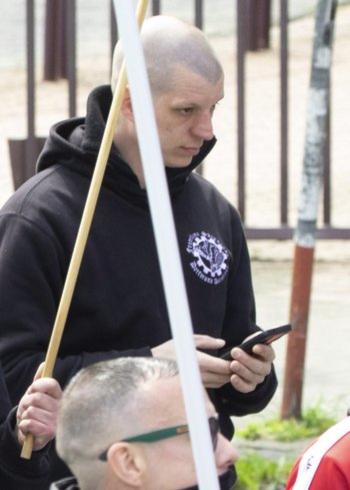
(266, 337)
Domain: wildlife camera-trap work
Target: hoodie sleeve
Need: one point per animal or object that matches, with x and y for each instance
(17, 473)
(31, 283)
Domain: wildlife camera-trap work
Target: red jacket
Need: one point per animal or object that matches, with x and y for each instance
(328, 458)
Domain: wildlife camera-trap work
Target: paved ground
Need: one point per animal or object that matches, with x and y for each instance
(327, 375)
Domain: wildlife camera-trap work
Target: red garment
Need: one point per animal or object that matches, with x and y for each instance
(333, 472)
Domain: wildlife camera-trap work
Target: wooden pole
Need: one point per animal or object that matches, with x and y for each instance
(84, 228)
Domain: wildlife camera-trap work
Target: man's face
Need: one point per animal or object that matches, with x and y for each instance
(169, 463)
(184, 116)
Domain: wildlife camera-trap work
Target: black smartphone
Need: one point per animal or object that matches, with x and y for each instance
(265, 337)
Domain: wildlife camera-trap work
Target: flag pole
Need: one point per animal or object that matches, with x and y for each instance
(84, 229)
(167, 246)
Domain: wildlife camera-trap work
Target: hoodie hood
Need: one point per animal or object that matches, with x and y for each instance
(226, 482)
(75, 143)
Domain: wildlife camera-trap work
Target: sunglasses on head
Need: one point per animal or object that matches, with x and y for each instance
(166, 433)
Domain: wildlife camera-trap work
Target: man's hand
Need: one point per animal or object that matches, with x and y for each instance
(215, 372)
(37, 412)
(251, 369)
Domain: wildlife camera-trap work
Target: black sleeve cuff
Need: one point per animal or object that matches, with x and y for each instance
(10, 453)
(236, 403)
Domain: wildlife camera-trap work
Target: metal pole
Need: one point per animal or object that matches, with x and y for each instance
(241, 43)
(156, 7)
(114, 30)
(264, 14)
(198, 21)
(251, 25)
(284, 111)
(30, 148)
(318, 107)
(198, 16)
(55, 65)
(71, 56)
(257, 24)
(327, 188)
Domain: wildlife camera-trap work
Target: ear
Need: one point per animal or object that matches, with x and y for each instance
(126, 107)
(127, 463)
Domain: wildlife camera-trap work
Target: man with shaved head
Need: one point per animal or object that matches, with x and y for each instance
(119, 308)
(122, 425)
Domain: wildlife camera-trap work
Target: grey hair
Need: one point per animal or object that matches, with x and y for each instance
(168, 43)
(100, 406)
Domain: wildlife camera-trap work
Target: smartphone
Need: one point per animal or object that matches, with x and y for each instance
(265, 337)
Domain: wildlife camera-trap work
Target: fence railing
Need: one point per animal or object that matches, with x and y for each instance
(251, 33)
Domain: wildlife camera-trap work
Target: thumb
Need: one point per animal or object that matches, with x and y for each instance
(39, 371)
(207, 342)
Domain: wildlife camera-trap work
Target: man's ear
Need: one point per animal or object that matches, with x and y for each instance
(127, 463)
(126, 107)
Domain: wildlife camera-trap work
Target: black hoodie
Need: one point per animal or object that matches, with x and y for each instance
(118, 307)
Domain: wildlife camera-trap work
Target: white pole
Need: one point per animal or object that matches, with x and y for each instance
(166, 240)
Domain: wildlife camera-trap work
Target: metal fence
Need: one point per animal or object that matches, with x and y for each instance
(252, 33)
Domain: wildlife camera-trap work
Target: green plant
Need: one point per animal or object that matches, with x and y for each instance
(313, 422)
(258, 473)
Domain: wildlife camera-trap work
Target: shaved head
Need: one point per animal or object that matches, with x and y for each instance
(101, 405)
(169, 43)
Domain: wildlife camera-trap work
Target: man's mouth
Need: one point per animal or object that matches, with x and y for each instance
(191, 150)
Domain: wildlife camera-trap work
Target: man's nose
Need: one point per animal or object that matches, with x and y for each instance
(203, 127)
(226, 454)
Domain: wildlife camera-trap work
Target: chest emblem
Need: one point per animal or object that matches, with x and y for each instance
(210, 257)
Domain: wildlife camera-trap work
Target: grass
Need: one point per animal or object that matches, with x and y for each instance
(258, 473)
(313, 422)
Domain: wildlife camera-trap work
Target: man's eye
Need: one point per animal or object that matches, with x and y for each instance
(186, 110)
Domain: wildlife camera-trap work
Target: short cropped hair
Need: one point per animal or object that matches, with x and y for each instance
(101, 405)
(168, 43)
